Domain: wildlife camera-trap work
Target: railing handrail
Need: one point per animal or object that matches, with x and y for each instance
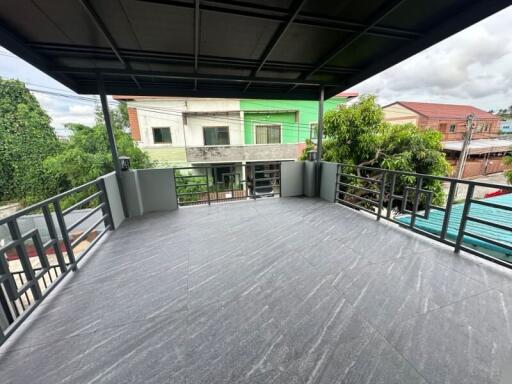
(34, 287)
(407, 212)
(424, 175)
(48, 201)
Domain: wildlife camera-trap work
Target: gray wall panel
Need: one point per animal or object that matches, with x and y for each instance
(292, 178)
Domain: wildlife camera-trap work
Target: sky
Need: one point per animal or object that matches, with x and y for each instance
(472, 67)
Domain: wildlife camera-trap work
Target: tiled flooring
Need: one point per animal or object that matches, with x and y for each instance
(272, 291)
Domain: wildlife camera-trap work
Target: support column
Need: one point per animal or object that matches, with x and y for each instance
(112, 144)
(319, 150)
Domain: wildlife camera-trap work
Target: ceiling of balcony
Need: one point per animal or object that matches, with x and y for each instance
(226, 48)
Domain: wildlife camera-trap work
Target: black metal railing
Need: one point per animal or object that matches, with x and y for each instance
(34, 260)
(218, 183)
(442, 208)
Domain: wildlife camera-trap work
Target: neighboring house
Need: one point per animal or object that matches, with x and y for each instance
(485, 155)
(213, 131)
(506, 127)
(449, 119)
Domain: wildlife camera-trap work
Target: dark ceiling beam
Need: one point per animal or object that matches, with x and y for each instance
(197, 32)
(259, 11)
(384, 11)
(165, 58)
(278, 35)
(106, 34)
(185, 76)
(89, 87)
(23, 50)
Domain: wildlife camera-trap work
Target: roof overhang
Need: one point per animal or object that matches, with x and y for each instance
(279, 49)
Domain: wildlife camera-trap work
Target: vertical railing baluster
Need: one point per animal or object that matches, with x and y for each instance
(52, 232)
(391, 196)
(106, 205)
(381, 194)
(208, 184)
(253, 175)
(419, 181)
(448, 209)
(463, 219)
(24, 259)
(64, 234)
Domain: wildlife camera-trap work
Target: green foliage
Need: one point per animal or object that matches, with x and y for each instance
(26, 139)
(86, 155)
(508, 173)
(359, 135)
(309, 147)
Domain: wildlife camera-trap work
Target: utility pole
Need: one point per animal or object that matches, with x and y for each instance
(465, 147)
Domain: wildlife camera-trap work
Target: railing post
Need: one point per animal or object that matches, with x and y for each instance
(381, 195)
(17, 237)
(207, 186)
(106, 206)
(419, 181)
(53, 235)
(391, 195)
(463, 219)
(448, 209)
(253, 181)
(64, 233)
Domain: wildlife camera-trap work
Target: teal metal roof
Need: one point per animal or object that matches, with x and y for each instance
(434, 224)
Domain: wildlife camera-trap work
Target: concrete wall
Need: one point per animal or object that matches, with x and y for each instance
(328, 182)
(223, 153)
(149, 190)
(114, 199)
(292, 178)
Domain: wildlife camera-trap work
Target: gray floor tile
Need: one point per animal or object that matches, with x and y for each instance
(466, 342)
(268, 291)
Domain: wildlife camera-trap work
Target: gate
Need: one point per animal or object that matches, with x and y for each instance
(218, 183)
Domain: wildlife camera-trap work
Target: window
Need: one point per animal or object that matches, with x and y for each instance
(442, 127)
(216, 135)
(486, 127)
(313, 131)
(162, 135)
(268, 134)
(452, 128)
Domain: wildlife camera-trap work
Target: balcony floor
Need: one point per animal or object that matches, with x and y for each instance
(274, 291)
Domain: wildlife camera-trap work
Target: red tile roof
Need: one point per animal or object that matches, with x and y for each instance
(446, 111)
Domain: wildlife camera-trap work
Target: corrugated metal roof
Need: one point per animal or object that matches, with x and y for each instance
(480, 146)
(274, 49)
(434, 224)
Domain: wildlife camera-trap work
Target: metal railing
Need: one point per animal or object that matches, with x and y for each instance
(34, 261)
(429, 205)
(218, 183)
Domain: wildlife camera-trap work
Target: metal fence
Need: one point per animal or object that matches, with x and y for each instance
(428, 205)
(33, 263)
(219, 183)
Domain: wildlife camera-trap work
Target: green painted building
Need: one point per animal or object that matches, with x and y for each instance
(284, 121)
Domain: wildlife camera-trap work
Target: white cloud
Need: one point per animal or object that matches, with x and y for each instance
(472, 67)
(81, 110)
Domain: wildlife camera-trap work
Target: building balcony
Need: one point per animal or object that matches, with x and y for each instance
(266, 290)
(242, 153)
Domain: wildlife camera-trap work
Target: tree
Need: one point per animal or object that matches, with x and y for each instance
(86, 156)
(26, 139)
(508, 173)
(359, 135)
